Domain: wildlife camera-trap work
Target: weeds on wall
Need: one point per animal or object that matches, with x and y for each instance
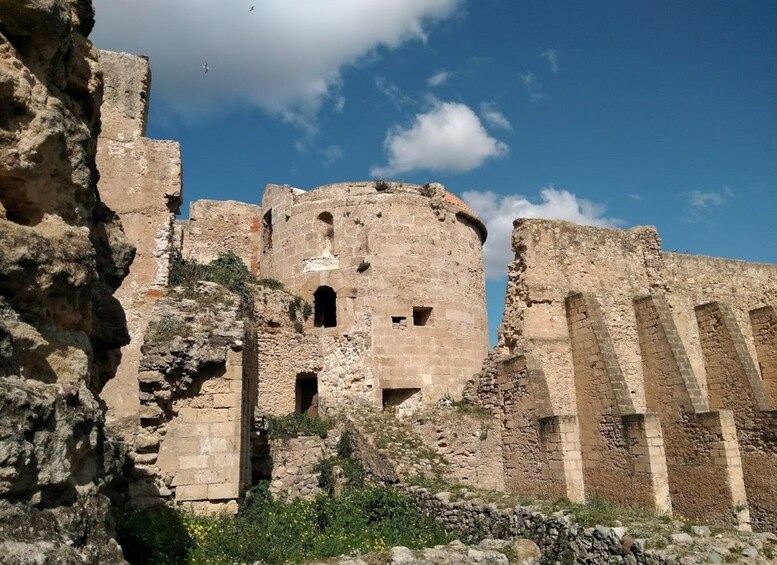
(295, 425)
(299, 312)
(363, 266)
(273, 284)
(166, 328)
(343, 466)
(227, 270)
(382, 184)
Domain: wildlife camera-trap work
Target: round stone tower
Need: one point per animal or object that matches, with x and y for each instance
(400, 264)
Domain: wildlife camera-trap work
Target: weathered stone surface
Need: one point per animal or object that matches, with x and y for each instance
(62, 254)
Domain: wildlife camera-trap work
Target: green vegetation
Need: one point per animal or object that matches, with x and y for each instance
(152, 536)
(466, 408)
(299, 312)
(227, 270)
(165, 329)
(351, 469)
(295, 425)
(267, 530)
(273, 284)
(382, 184)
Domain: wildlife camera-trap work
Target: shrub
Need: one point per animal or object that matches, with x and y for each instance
(363, 266)
(382, 184)
(295, 425)
(272, 284)
(365, 520)
(227, 270)
(152, 536)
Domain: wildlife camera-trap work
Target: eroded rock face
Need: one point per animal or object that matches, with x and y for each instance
(62, 254)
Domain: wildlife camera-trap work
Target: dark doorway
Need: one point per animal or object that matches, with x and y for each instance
(325, 306)
(307, 394)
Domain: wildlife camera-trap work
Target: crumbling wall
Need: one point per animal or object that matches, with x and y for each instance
(195, 378)
(555, 258)
(140, 178)
(294, 463)
(62, 254)
(470, 441)
(540, 451)
(219, 226)
(284, 352)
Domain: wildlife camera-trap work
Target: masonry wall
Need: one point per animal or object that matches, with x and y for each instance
(733, 383)
(219, 226)
(196, 376)
(540, 451)
(622, 451)
(386, 252)
(701, 484)
(140, 179)
(694, 280)
(649, 306)
(764, 324)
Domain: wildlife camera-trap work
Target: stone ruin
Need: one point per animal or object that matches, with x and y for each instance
(623, 372)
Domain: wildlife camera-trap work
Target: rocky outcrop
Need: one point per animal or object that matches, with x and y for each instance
(62, 254)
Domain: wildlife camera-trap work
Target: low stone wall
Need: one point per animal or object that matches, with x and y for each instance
(293, 465)
(559, 537)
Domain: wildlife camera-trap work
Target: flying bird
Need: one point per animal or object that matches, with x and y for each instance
(252, 9)
(205, 66)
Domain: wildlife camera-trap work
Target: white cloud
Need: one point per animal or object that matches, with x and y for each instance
(533, 87)
(438, 78)
(705, 200)
(499, 211)
(701, 204)
(551, 56)
(285, 57)
(493, 117)
(447, 138)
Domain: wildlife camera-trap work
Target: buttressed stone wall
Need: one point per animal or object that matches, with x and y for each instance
(140, 178)
(395, 276)
(666, 360)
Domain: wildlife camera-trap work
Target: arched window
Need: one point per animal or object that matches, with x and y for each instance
(326, 227)
(325, 307)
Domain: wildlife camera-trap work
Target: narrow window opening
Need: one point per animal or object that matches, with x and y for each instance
(398, 322)
(327, 231)
(325, 307)
(267, 231)
(421, 316)
(306, 391)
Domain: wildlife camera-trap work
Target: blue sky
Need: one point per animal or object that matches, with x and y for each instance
(616, 113)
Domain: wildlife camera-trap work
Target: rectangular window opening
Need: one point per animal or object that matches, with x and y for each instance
(398, 322)
(421, 316)
(403, 401)
(306, 391)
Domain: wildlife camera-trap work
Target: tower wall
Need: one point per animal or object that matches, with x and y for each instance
(406, 264)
